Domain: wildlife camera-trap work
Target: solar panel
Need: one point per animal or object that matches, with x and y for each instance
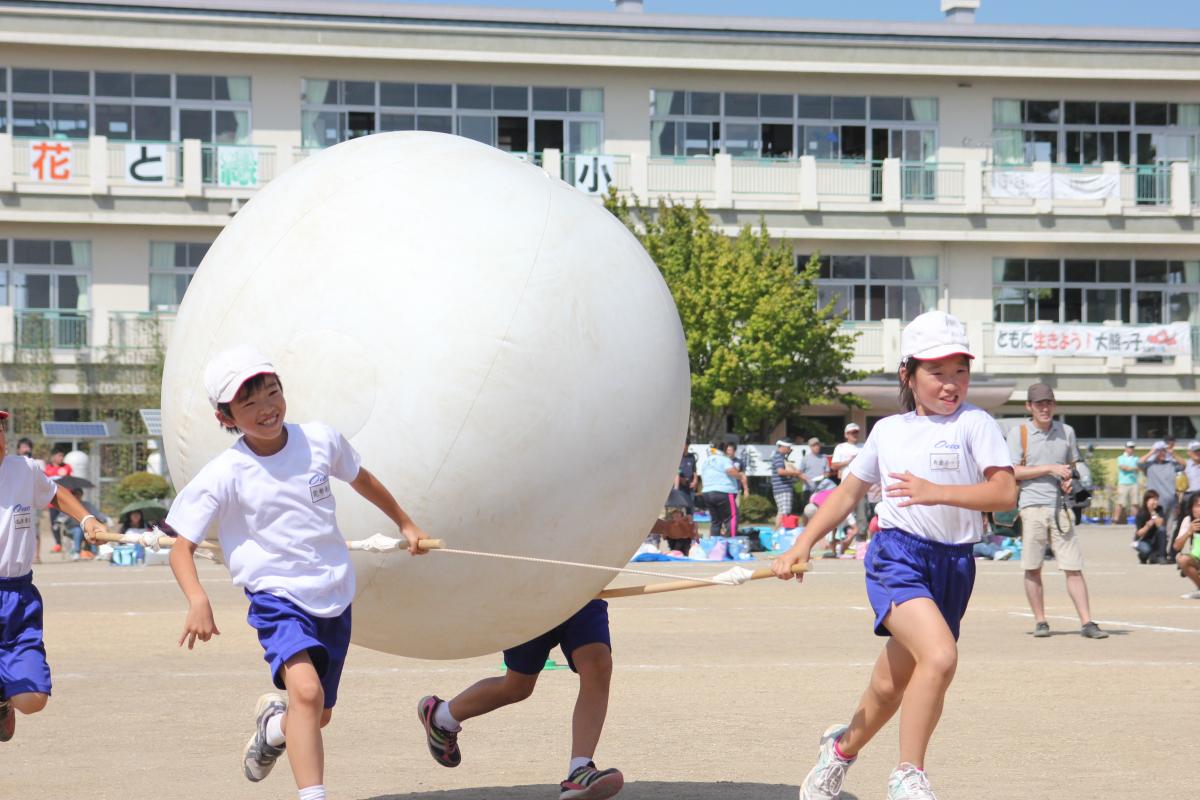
(75, 430)
(152, 419)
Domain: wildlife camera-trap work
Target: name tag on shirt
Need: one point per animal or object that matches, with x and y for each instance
(23, 520)
(319, 488)
(943, 461)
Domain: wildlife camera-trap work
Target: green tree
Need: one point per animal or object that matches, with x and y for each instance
(760, 344)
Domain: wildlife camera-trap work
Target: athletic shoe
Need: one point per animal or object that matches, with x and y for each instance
(259, 757)
(56, 548)
(1192, 595)
(8, 719)
(1092, 631)
(909, 783)
(1041, 630)
(87, 555)
(1002, 555)
(589, 783)
(824, 781)
(443, 744)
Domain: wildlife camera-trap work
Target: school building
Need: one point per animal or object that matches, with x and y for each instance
(1041, 183)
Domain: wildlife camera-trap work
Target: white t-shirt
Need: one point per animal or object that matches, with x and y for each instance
(275, 517)
(952, 450)
(845, 452)
(24, 491)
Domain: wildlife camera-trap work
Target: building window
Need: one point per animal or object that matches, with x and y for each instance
(47, 274)
(1138, 426)
(877, 287)
(172, 267)
(1095, 290)
(1090, 132)
(749, 125)
(124, 106)
(517, 119)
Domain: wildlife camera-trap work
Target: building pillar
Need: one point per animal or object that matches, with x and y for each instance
(1044, 205)
(1113, 203)
(973, 186)
(891, 345)
(723, 180)
(1181, 189)
(193, 168)
(552, 162)
(6, 163)
(98, 164)
(891, 184)
(808, 184)
(639, 177)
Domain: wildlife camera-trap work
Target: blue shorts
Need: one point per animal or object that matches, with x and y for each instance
(23, 666)
(588, 625)
(285, 629)
(902, 566)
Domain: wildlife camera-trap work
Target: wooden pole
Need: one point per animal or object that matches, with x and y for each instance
(678, 586)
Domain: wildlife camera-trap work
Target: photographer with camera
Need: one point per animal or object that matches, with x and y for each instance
(1044, 450)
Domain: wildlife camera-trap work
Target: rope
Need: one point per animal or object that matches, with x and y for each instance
(533, 560)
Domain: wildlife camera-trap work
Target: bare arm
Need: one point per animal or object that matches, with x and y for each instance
(1060, 471)
(199, 623)
(835, 508)
(378, 495)
(1185, 534)
(67, 503)
(997, 492)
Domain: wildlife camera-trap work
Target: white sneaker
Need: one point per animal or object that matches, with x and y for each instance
(909, 783)
(259, 757)
(824, 781)
(1002, 555)
(1192, 595)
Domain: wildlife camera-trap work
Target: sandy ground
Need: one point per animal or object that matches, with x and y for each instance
(718, 693)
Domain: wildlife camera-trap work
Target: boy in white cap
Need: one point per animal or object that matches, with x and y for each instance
(941, 463)
(843, 454)
(269, 497)
(24, 490)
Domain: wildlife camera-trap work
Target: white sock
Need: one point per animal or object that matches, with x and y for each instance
(275, 736)
(445, 720)
(313, 792)
(576, 763)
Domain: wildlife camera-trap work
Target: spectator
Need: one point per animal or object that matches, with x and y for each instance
(740, 465)
(685, 481)
(783, 478)
(1161, 466)
(1150, 530)
(134, 522)
(843, 454)
(56, 469)
(677, 528)
(25, 448)
(720, 479)
(815, 467)
(81, 550)
(1192, 468)
(1043, 450)
(1187, 543)
(1127, 479)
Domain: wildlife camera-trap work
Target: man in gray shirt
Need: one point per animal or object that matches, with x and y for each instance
(1161, 465)
(815, 467)
(1043, 450)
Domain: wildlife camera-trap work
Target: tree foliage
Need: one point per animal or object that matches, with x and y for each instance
(760, 344)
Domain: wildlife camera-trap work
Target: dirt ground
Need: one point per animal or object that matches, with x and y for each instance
(717, 693)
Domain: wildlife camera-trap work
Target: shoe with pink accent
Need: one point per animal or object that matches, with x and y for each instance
(589, 783)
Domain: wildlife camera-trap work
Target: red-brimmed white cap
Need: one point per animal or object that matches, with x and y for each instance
(934, 334)
(228, 370)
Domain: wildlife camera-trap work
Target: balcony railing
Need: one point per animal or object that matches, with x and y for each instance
(138, 163)
(681, 175)
(39, 329)
(932, 182)
(237, 166)
(859, 180)
(51, 161)
(868, 341)
(766, 176)
(139, 330)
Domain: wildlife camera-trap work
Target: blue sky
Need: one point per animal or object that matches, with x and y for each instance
(1119, 13)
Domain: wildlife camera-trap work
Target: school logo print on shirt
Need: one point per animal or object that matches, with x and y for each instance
(945, 456)
(22, 517)
(318, 487)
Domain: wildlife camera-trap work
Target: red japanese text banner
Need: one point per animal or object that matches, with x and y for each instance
(1091, 340)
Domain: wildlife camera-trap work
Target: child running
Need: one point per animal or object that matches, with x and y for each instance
(585, 641)
(941, 464)
(270, 498)
(24, 672)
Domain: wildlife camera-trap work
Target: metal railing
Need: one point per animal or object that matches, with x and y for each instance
(139, 330)
(868, 342)
(780, 176)
(1149, 184)
(137, 163)
(932, 181)
(51, 161)
(42, 329)
(858, 180)
(237, 166)
(681, 175)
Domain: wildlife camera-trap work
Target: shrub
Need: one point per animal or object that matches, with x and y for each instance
(756, 508)
(141, 486)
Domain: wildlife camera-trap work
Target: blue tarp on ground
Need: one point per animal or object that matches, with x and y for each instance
(663, 557)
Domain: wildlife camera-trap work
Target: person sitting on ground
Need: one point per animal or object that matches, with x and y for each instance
(1150, 530)
(1187, 544)
(80, 549)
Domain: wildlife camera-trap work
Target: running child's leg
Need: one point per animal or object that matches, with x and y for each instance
(918, 625)
(594, 664)
(303, 720)
(29, 702)
(490, 694)
(880, 702)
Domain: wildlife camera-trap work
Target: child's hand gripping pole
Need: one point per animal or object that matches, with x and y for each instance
(731, 577)
(386, 544)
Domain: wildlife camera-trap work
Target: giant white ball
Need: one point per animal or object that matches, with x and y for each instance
(500, 350)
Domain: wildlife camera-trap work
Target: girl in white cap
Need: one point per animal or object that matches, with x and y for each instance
(941, 462)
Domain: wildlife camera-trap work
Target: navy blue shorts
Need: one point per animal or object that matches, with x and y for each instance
(23, 666)
(902, 567)
(285, 629)
(588, 625)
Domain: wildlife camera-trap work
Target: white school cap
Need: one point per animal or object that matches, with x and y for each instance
(229, 369)
(934, 334)
(1159, 445)
(853, 426)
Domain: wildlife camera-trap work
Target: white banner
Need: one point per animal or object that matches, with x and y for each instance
(1026, 339)
(237, 167)
(145, 163)
(594, 174)
(1064, 186)
(1015, 183)
(1085, 186)
(52, 160)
